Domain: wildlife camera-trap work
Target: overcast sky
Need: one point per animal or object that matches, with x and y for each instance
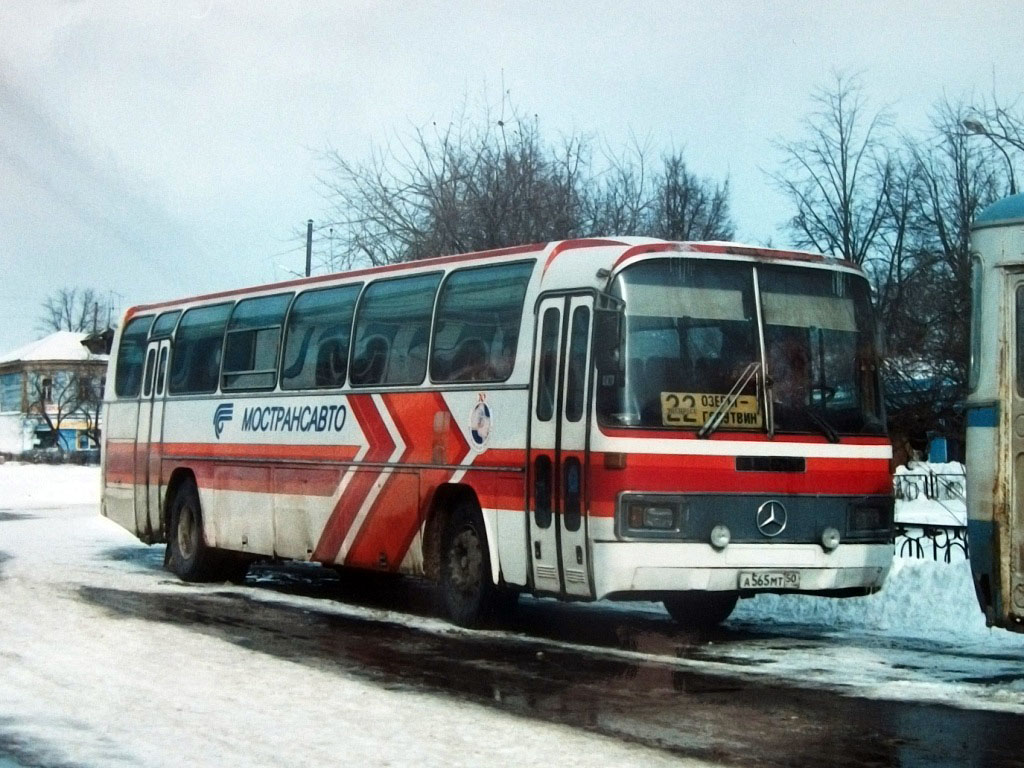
(159, 149)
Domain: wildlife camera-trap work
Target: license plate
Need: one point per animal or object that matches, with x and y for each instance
(769, 579)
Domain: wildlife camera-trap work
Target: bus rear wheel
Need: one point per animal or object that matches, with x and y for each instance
(468, 595)
(188, 556)
(700, 610)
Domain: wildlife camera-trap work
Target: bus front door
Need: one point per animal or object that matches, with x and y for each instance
(148, 431)
(559, 416)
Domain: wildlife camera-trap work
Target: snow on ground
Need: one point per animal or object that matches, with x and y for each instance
(80, 687)
(83, 685)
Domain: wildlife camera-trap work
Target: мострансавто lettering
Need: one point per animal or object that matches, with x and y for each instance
(298, 418)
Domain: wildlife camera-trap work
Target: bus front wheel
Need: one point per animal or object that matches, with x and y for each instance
(188, 556)
(469, 596)
(700, 610)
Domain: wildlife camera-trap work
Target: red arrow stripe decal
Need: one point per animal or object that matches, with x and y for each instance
(397, 513)
(381, 446)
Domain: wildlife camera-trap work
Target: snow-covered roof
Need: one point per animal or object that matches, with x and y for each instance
(62, 345)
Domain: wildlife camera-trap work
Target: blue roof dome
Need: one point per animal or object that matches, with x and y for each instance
(1005, 210)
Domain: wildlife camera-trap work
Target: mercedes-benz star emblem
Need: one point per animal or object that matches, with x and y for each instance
(771, 518)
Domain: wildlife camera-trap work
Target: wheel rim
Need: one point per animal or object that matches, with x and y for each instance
(187, 531)
(465, 562)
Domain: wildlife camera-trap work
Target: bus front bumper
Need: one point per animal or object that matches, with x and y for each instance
(648, 568)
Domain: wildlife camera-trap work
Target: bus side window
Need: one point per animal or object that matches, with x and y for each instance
(252, 343)
(477, 326)
(548, 364)
(317, 338)
(130, 356)
(391, 330)
(576, 393)
(195, 362)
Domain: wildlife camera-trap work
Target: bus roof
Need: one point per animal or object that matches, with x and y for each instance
(632, 246)
(1009, 210)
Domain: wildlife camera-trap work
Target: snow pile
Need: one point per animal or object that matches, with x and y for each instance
(42, 486)
(921, 598)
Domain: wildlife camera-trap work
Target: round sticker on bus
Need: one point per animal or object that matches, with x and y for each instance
(480, 424)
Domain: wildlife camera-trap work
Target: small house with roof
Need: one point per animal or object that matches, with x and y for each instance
(51, 395)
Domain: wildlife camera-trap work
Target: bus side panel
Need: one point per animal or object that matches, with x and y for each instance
(386, 544)
(119, 425)
(302, 497)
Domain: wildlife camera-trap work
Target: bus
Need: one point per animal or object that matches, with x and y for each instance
(604, 418)
(995, 413)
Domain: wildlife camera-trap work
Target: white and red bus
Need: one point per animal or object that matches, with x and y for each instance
(600, 418)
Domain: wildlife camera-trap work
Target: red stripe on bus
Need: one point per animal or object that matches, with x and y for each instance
(381, 446)
(253, 478)
(717, 474)
(568, 245)
(396, 515)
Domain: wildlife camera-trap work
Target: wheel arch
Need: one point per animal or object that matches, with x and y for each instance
(178, 476)
(446, 497)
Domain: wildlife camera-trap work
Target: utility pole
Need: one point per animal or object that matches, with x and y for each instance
(309, 245)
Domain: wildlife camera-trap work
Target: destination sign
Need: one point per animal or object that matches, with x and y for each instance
(694, 409)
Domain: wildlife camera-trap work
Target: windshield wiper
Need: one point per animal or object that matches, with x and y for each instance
(730, 400)
(829, 431)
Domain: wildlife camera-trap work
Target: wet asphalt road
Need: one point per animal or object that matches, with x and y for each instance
(695, 714)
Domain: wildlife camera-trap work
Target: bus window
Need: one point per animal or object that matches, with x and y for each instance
(317, 338)
(576, 392)
(973, 367)
(147, 377)
(164, 325)
(130, 357)
(252, 343)
(195, 364)
(392, 329)
(548, 362)
(477, 327)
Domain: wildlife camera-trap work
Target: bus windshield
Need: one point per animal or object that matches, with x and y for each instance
(692, 331)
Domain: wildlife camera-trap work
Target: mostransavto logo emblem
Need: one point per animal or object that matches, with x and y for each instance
(771, 518)
(225, 412)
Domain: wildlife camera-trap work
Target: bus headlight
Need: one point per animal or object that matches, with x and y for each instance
(654, 517)
(720, 537)
(829, 539)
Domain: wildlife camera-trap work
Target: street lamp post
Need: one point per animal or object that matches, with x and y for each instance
(975, 127)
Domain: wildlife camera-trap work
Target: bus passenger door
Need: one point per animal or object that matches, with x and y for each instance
(558, 435)
(148, 429)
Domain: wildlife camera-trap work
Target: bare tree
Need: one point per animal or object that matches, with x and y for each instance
(617, 200)
(53, 397)
(460, 188)
(686, 207)
(73, 309)
(834, 176)
(954, 177)
(902, 209)
(1003, 126)
(496, 182)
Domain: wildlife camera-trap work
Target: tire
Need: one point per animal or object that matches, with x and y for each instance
(700, 610)
(188, 556)
(468, 596)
